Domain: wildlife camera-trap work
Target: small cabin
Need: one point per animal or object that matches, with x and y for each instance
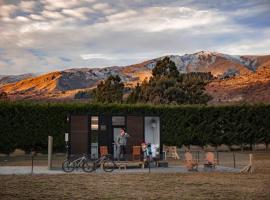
(90, 132)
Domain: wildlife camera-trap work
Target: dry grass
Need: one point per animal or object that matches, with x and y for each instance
(136, 186)
(142, 186)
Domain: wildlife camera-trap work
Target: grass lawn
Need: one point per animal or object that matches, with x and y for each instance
(142, 186)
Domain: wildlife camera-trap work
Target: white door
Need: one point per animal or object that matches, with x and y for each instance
(152, 133)
(116, 148)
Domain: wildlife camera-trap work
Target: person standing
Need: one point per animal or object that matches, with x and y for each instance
(122, 142)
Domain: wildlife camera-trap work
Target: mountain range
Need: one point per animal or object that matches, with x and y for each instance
(243, 78)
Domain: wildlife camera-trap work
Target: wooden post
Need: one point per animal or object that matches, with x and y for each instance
(254, 147)
(33, 154)
(251, 159)
(50, 150)
(32, 164)
(249, 168)
(234, 165)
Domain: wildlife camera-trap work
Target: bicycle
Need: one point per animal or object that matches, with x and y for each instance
(69, 165)
(107, 163)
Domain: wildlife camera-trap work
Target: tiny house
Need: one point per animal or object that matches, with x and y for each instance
(89, 132)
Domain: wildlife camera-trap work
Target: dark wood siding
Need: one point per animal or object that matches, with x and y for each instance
(104, 136)
(79, 134)
(136, 131)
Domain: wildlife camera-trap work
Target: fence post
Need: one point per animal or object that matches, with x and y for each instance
(50, 149)
(234, 165)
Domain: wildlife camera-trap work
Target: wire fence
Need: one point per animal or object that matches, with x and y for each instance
(26, 160)
(233, 159)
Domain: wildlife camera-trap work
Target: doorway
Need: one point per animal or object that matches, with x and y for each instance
(118, 122)
(152, 134)
(116, 148)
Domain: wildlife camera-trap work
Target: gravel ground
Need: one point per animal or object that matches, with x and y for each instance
(9, 170)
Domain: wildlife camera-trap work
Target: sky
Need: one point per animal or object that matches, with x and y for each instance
(49, 35)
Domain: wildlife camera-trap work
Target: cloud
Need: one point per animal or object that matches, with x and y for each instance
(122, 15)
(52, 14)
(36, 17)
(22, 19)
(27, 6)
(90, 33)
(36, 27)
(101, 6)
(59, 4)
(78, 12)
(7, 10)
(249, 45)
(156, 19)
(93, 56)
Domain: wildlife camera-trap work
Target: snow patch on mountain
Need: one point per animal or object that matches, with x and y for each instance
(204, 58)
(78, 78)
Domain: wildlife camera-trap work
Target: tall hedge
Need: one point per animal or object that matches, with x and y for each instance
(26, 125)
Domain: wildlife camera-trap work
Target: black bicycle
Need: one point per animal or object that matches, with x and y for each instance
(105, 162)
(74, 163)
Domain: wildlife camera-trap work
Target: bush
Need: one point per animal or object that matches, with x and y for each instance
(27, 125)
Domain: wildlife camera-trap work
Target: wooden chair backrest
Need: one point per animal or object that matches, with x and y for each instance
(188, 156)
(136, 150)
(165, 148)
(210, 157)
(173, 149)
(103, 150)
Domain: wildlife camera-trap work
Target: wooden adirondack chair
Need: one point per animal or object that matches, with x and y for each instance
(190, 163)
(173, 151)
(136, 152)
(210, 160)
(103, 150)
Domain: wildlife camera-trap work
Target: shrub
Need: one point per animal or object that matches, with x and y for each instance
(27, 125)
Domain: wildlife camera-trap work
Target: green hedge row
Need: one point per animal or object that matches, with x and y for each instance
(26, 125)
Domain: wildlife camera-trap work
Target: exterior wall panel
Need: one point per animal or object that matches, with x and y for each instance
(79, 134)
(135, 128)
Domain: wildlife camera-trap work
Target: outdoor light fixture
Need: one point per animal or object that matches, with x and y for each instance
(67, 146)
(66, 137)
(153, 123)
(67, 118)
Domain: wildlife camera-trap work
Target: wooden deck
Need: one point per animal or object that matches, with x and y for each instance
(126, 164)
(136, 164)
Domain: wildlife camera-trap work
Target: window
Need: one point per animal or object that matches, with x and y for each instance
(94, 123)
(118, 121)
(94, 136)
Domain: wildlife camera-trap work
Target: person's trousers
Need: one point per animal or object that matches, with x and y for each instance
(122, 152)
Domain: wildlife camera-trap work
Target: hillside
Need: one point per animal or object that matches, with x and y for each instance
(41, 86)
(251, 88)
(6, 79)
(239, 78)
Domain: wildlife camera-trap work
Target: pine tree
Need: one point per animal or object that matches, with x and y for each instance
(165, 67)
(109, 91)
(167, 86)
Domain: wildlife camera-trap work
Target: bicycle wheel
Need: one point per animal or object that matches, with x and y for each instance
(68, 166)
(88, 166)
(108, 166)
